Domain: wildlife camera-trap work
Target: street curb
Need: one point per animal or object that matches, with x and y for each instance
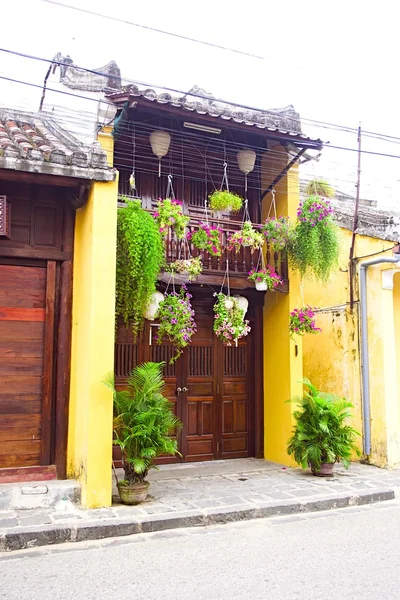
(20, 538)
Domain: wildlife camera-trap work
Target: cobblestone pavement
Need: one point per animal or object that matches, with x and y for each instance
(238, 488)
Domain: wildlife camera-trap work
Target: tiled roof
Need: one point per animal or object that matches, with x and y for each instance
(372, 222)
(34, 142)
(283, 120)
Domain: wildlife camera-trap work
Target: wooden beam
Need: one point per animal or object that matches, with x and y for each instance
(34, 253)
(47, 400)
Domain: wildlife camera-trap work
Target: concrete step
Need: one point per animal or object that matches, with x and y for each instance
(39, 494)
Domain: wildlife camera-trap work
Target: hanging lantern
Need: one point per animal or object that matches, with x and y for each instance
(153, 305)
(160, 141)
(243, 303)
(246, 159)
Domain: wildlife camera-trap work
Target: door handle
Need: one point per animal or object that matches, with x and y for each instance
(185, 389)
(178, 390)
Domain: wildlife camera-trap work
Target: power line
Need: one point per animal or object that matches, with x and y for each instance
(321, 124)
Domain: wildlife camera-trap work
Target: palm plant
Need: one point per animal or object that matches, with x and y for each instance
(143, 421)
(322, 433)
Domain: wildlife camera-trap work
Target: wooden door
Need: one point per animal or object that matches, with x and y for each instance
(27, 295)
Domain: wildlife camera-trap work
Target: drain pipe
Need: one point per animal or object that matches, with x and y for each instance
(364, 344)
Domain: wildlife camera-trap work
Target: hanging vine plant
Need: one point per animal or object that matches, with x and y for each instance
(302, 320)
(314, 249)
(229, 322)
(319, 187)
(169, 215)
(177, 323)
(140, 255)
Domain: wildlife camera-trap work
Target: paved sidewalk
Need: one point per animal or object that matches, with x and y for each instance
(202, 494)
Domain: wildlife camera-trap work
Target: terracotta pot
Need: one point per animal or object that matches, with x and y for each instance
(326, 470)
(261, 286)
(133, 494)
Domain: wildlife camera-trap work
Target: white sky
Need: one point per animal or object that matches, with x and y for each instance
(334, 61)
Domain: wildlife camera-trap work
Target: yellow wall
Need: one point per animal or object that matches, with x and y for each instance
(331, 360)
(89, 452)
(282, 356)
(107, 143)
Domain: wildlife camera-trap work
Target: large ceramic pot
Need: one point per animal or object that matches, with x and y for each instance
(326, 470)
(133, 494)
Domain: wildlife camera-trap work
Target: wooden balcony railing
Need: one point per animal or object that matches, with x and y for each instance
(239, 263)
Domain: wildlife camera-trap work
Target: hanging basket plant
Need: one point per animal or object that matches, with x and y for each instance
(208, 238)
(302, 320)
(314, 250)
(247, 237)
(265, 279)
(319, 187)
(223, 200)
(177, 324)
(191, 267)
(279, 232)
(169, 215)
(140, 255)
(229, 322)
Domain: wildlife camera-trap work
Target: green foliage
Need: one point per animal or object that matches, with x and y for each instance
(319, 187)
(247, 237)
(229, 323)
(177, 324)
(169, 215)
(222, 200)
(314, 249)
(140, 255)
(322, 433)
(143, 421)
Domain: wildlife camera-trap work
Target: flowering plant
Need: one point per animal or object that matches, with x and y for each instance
(247, 237)
(176, 317)
(229, 323)
(207, 237)
(269, 275)
(314, 210)
(278, 232)
(192, 267)
(221, 200)
(169, 215)
(302, 320)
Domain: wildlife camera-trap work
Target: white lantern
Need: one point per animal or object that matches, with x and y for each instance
(151, 309)
(246, 159)
(228, 303)
(243, 303)
(160, 141)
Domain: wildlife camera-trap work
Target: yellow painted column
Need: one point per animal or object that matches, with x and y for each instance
(283, 368)
(107, 143)
(89, 453)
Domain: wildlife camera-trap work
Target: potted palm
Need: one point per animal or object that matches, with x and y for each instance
(143, 424)
(322, 435)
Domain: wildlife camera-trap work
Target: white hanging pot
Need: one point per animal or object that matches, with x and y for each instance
(243, 303)
(246, 159)
(160, 141)
(151, 309)
(228, 303)
(261, 286)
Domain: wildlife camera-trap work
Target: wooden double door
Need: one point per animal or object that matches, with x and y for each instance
(210, 386)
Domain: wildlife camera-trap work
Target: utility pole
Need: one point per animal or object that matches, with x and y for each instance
(355, 221)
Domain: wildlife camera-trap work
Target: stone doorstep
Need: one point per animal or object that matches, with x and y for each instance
(38, 494)
(19, 538)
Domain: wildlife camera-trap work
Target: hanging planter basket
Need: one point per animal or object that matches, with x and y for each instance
(247, 237)
(229, 322)
(189, 269)
(207, 238)
(265, 279)
(225, 201)
(302, 321)
(177, 324)
(169, 215)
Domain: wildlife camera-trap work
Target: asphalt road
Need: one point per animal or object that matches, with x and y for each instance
(352, 553)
